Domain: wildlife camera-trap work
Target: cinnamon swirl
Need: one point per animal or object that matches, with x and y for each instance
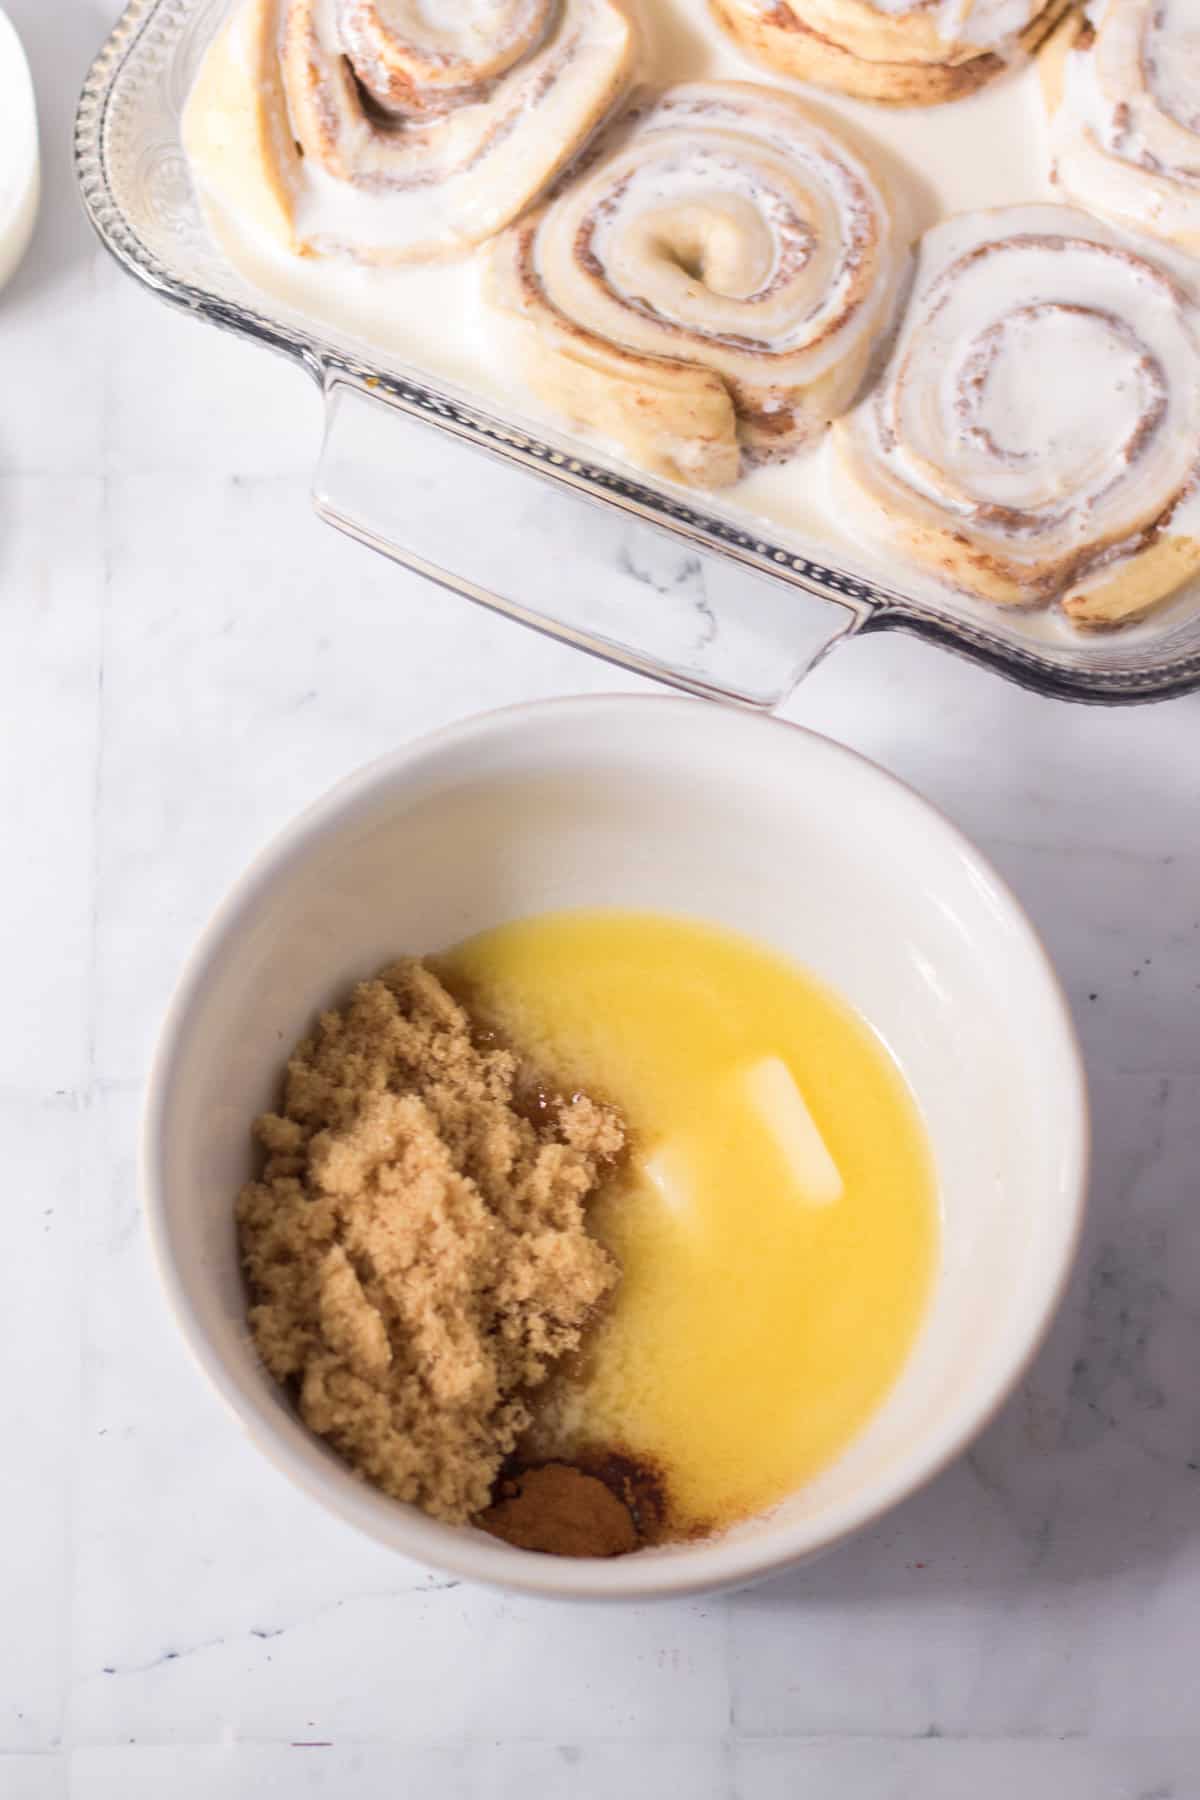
(1036, 433)
(393, 131)
(1122, 85)
(710, 288)
(907, 52)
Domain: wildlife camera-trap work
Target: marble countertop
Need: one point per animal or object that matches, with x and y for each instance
(188, 657)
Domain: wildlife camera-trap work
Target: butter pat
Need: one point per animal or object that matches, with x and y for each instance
(774, 1096)
(666, 1172)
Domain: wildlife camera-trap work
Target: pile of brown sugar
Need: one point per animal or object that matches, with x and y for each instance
(416, 1245)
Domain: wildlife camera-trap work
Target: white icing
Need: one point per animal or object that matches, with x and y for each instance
(1044, 370)
(1173, 43)
(447, 180)
(769, 204)
(1186, 517)
(1126, 139)
(991, 24)
(426, 319)
(459, 35)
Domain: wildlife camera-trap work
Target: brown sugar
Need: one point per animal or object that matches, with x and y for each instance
(562, 1511)
(416, 1245)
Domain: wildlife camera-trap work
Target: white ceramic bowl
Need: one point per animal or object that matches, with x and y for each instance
(20, 173)
(676, 805)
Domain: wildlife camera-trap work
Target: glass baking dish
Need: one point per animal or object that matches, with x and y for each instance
(511, 515)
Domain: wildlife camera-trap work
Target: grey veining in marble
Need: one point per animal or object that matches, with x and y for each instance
(186, 658)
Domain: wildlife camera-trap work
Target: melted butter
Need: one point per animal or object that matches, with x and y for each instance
(762, 1314)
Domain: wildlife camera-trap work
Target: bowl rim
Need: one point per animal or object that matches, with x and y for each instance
(691, 1569)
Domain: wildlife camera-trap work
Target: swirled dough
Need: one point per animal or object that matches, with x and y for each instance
(391, 133)
(711, 287)
(1122, 85)
(1036, 434)
(907, 52)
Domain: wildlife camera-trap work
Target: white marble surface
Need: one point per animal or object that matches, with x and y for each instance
(186, 658)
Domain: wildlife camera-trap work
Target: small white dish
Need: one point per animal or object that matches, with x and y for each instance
(684, 807)
(20, 168)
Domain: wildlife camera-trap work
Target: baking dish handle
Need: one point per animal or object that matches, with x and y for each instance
(468, 505)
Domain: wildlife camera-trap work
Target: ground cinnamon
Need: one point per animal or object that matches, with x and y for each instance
(561, 1511)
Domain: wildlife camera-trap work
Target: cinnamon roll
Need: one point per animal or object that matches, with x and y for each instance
(1122, 84)
(1036, 433)
(709, 289)
(393, 131)
(907, 52)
